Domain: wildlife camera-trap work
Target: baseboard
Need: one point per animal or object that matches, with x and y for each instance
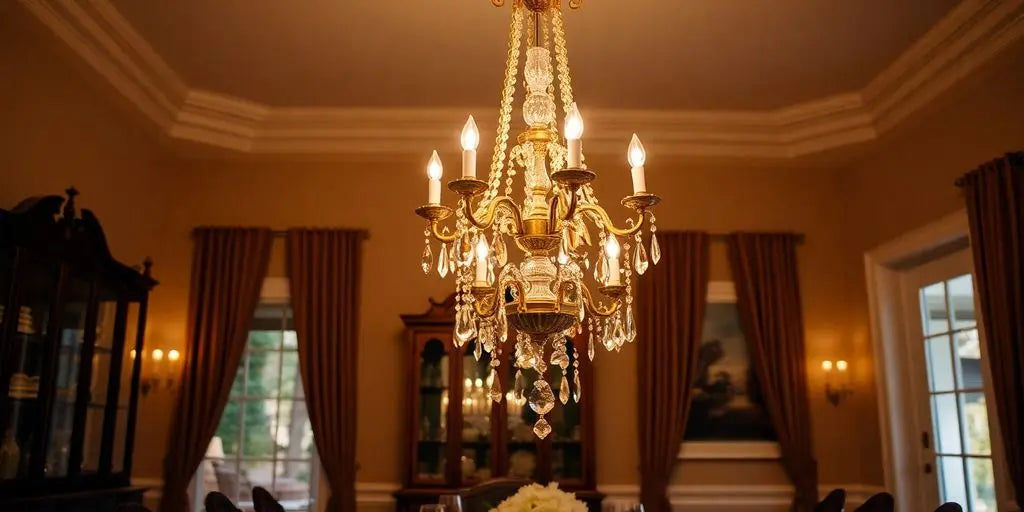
(696, 498)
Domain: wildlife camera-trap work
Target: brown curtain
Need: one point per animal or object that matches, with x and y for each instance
(324, 268)
(764, 268)
(671, 300)
(995, 209)
(228, 267)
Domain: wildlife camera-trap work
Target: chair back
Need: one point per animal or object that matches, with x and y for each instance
(834, 502)
(218, 502)
(949, 507)
(263, 501)
(487, 495)
(881, 502)
(131, 507)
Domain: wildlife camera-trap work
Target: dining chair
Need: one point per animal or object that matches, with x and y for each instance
(218, 502)
(263, 501)
(881, 502)
(833, 502)
(949, 507)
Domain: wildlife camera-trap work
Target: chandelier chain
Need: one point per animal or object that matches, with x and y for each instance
(505, 112)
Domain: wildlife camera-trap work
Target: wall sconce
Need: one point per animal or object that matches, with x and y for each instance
(837, 380)
(162, 371)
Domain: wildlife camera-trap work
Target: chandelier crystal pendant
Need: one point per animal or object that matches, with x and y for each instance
(539, 298)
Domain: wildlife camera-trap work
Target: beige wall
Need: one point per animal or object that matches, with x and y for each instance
(58, 128)
(906, 182)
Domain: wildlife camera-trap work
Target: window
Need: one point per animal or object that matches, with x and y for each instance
(956, 394)
(264, 437)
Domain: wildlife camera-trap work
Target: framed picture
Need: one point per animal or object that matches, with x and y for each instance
(728, 419)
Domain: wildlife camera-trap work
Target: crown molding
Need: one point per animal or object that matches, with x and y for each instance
(967, 37)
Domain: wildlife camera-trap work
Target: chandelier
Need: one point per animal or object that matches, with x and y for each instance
(540, 297)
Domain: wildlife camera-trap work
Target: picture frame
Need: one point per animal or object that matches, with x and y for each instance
(727, 420)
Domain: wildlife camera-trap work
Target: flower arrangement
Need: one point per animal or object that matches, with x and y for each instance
(538, 498)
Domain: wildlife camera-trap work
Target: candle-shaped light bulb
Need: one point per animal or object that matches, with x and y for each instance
(479, 382)
(132, 354)
(470, 141)
(826, 365)
(157, 354)
(481, 262)
(470, 135)
(573, 134)
(611, 248)
(434, 171)
(469, 383)
(173, 355)
(637, 156)
(841, 365)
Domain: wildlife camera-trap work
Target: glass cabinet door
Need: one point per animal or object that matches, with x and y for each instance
(26, 349)
(522, 443)
(123, 380)
(92, 440)
(475, 461)
(566, 446)
(69, 346)
(431, 444)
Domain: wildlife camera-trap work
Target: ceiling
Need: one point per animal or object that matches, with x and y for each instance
(637, 54)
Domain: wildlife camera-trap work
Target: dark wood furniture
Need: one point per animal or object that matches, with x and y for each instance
(457, 438)
(72, 320)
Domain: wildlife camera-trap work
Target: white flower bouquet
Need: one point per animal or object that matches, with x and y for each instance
(538, 498)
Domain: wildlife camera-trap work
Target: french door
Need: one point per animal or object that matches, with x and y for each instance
(959, 444)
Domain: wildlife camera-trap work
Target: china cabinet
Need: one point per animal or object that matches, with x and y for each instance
(457, 437)
(71, 320)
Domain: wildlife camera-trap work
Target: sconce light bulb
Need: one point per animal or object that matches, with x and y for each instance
(132, 354)
(434, 167)
(826, 365)
(611, 247)
(637, 154)
(157, 354)
(470, 135)
(173, 355)
(469, 382)
(479, 383)
(573, 124)
(841, 365)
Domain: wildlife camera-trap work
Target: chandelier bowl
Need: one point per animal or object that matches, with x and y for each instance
(541, 323)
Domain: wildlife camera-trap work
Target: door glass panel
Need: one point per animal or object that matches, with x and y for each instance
(93, 438)
(961, 302)
(933, 309)
(476, 414)
(940, 363)
(975, 423)
(120, 431)
(959, 411)
(947, 423)
(981, 484)
(431, 445)
(954, 486)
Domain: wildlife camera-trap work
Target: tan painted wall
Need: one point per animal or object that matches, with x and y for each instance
(57, 129)
(906, 182)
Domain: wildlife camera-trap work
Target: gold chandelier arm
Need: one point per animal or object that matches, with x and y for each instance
(563, 289)
(489, 214)
(440, 237)
(595, 310)
(553, 219)
(603, 215)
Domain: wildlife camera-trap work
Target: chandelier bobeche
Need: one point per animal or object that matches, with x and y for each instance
(542, 299)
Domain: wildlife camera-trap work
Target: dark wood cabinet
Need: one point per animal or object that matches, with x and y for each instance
(71, 321)
(457, 437)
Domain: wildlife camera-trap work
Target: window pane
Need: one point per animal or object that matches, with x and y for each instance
(290, 340)
(933, 309)
(968, 351)
(951, 470)
(947, 423)
(291, 387)
(294, 433)
(961, 302)
(229, 479)
(292, 484)
(940, 364)
(256, 473)
(265, 340)
(263, 379)
(976, 423)
(982, 485)
(258, 424)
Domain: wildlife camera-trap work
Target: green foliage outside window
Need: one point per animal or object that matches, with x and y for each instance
(258, 438)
